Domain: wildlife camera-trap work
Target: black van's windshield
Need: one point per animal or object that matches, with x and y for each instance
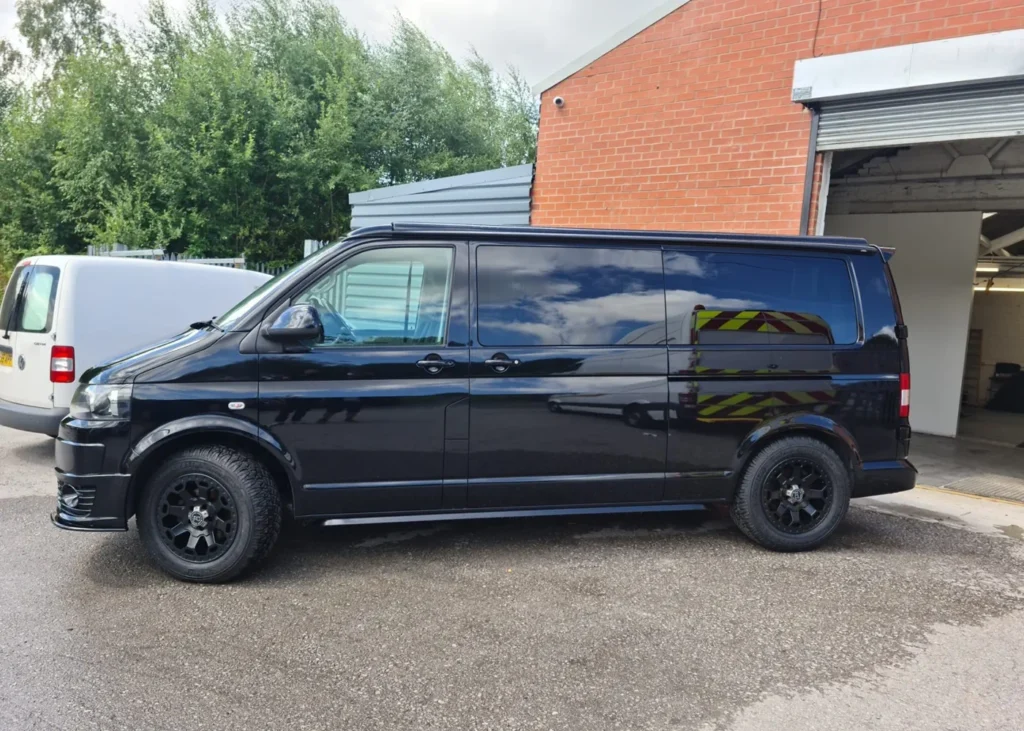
(263, 296)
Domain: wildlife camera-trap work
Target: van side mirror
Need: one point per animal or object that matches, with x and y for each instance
(297, 323)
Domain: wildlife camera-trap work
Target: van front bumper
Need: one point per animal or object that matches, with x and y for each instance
(883, 478)
(91, 493)
(31, 418)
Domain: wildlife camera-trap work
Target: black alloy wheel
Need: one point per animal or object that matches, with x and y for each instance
(198, 518)
(209, 513)
(797, 495)
(793, 494)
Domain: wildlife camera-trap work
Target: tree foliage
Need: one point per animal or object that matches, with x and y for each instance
(232, 135)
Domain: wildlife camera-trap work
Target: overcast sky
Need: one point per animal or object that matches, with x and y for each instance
(537, 36)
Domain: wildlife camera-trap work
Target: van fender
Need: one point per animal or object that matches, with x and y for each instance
(212, 424)
(795, 424)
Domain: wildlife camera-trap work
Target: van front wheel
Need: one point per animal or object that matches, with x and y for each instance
(793, 495)
(209, 513)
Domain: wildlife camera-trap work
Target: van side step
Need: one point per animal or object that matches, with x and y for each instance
(531, 512)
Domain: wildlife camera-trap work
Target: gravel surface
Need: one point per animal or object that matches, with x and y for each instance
(644, 622)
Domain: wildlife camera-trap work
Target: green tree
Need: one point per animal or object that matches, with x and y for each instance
(10, 62)
(232, 135)
(57, 30)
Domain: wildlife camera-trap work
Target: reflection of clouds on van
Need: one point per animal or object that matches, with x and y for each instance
(585, 321)
(568, 296)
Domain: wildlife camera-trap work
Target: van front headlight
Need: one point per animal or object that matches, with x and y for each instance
(102, 402)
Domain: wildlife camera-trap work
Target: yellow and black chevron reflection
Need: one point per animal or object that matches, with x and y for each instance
(749, 406)
(760, 321)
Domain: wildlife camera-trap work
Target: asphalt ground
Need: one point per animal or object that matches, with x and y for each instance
(912, 617)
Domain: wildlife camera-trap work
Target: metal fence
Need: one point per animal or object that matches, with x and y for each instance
(309, 247)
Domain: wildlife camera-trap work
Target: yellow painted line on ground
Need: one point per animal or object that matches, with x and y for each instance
(986, 498)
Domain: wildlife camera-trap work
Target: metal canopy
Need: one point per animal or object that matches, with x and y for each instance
(938, 115)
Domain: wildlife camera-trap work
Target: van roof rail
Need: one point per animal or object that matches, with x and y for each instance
(540, 233)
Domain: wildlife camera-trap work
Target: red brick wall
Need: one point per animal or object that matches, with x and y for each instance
(689, 125)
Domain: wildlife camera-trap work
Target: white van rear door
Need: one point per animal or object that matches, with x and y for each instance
(26, 322)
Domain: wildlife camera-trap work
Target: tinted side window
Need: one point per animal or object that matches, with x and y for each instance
(394, 296)
(585, 295)
(726, 298)
(877, 301)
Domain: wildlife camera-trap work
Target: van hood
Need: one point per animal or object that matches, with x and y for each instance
(125, 368)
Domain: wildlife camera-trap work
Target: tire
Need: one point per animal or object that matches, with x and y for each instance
(240, 511)
(768, 515)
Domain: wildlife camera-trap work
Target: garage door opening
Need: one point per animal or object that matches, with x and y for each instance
(993, 393)
(954, 212)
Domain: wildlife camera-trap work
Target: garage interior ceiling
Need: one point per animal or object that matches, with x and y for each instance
(966, 175)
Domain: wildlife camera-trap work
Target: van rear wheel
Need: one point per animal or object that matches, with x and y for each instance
(793, 495)
(208, 514)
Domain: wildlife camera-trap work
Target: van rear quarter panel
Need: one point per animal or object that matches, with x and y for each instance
(849, 391)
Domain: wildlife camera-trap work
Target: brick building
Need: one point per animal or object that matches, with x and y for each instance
(686, 120)
(898, 120)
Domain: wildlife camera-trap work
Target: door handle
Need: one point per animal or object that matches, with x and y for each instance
(500, 362)
(434, 364)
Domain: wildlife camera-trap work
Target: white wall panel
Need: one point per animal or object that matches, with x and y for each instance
(934, 272)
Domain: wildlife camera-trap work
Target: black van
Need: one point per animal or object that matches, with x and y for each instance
(425, 372)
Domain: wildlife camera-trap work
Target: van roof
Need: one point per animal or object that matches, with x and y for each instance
(119, 262)
(539, 233)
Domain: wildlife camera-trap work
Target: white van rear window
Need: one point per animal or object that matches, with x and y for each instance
(28, 302)
(7, 307)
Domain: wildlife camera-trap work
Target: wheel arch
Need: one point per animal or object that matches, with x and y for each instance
(153, 449)
(825, 430)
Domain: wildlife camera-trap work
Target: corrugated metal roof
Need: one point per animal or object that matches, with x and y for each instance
(498, 197)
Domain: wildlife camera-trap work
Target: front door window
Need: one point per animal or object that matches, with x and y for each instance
(382, 297)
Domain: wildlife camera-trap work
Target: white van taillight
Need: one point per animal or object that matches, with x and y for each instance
(62, 364)
(904, 395)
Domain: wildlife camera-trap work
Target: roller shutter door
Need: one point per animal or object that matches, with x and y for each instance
(939, 115)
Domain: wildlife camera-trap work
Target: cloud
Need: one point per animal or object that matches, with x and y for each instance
(622, 318)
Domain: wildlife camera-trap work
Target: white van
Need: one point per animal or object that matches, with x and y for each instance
(61, 315)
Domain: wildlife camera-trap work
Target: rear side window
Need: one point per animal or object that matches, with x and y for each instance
(585, 295)
(719, 298)
(28, 302)
(878, 300)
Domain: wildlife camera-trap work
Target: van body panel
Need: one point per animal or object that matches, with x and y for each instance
(573, 421)
(562, 371)
(369, 423)
(578, 418)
